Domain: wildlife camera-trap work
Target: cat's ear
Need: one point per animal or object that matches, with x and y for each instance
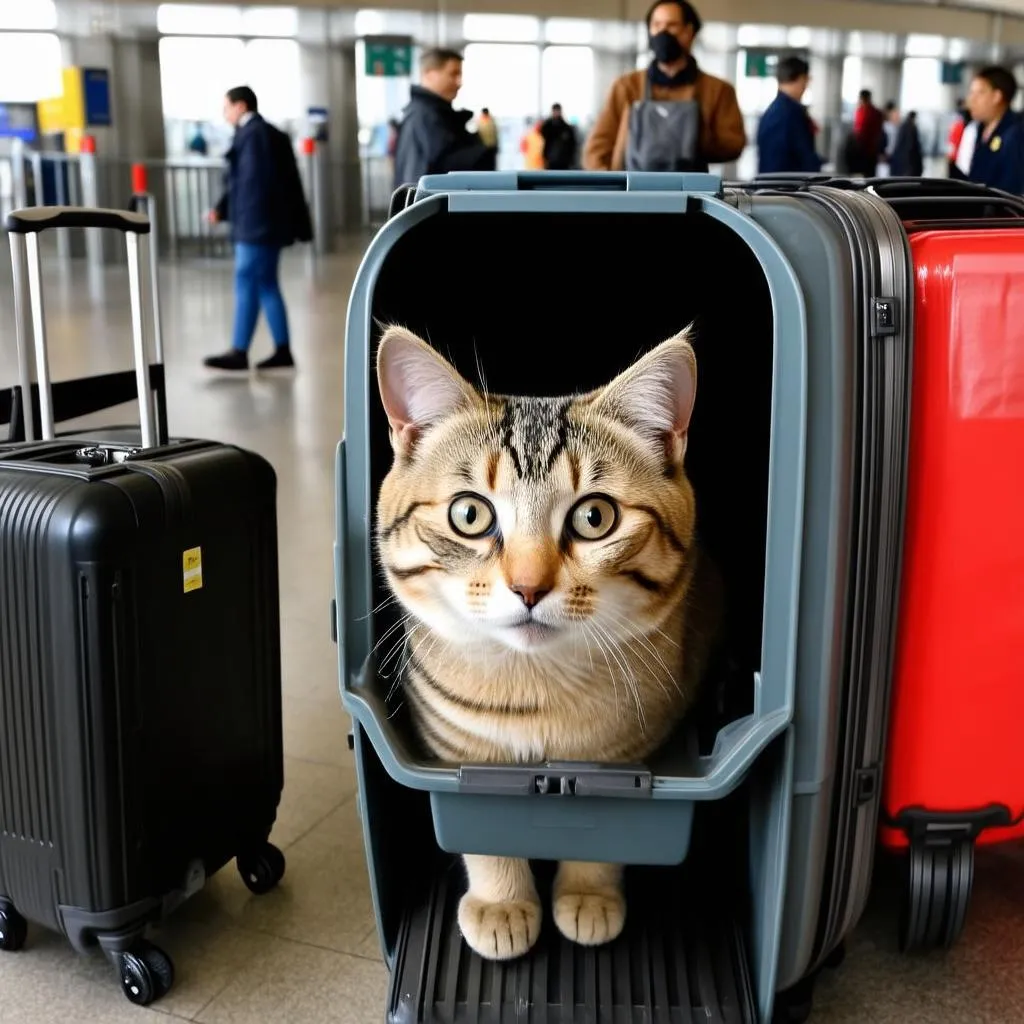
(655, 395)
(418, 387)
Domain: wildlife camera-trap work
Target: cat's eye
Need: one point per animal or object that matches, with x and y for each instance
(593, 517)
(471, 516)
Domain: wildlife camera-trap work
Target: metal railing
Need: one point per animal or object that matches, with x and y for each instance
(186, 189)
(378, 184)
(342, 196)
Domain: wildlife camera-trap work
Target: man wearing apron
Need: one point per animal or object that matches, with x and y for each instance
(673, 116)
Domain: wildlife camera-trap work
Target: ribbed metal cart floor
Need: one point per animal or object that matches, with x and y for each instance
(679, 960)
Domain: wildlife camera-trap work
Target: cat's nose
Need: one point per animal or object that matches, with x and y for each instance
(529, 595)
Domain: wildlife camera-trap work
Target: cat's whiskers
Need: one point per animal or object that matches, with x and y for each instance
(403, 644)
(629, 678)
(398, 679)
(390, 600)
(433, 637)
(576, 634)
(397, 648)
(624, 623)
(613, 648)
(611, 671)
(650, 630)
(395, 625)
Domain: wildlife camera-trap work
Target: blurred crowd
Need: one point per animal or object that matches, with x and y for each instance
(673, 116)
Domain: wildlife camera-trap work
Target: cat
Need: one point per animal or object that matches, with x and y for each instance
(558, 606)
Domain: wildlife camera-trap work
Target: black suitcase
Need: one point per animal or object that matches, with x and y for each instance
(140, 668)
(921, 203)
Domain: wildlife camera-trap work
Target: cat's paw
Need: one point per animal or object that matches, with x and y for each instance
(499, 931)
(590, 918)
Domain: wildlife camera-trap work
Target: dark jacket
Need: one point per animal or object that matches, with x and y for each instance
(867, 143)
(999, 162)
(907, 157)
(785, 138)
(433, 139)
(560, 144)
(264, 199)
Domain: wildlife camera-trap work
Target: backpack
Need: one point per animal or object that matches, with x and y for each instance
(663, 134)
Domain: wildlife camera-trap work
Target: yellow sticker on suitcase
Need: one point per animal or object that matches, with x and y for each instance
(192, 569)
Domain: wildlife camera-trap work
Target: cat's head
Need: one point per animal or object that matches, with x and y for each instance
(529, 523)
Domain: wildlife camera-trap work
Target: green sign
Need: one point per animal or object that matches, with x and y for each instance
(761, 64)
(388, 60)
(952, 73)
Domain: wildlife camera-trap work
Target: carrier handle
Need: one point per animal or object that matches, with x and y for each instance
(618, 181)
(33, 219)
(569, 181)
(25, 226)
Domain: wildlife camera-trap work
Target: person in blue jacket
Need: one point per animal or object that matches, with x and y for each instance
(998, 159)
(785, 136)
(265, 205)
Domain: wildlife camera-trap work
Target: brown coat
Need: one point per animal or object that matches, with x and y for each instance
(722, 134)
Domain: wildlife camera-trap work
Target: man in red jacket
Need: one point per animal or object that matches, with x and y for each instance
(869, 134)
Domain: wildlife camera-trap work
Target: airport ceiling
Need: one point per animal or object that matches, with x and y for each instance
(982, 21)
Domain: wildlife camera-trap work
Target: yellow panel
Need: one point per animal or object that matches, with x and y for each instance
(51, 115)
(73, 140)
(74, 101)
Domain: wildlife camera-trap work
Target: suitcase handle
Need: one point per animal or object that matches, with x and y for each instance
(33, 219)
(25, 226)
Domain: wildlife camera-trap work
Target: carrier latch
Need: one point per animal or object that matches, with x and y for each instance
(557, 779)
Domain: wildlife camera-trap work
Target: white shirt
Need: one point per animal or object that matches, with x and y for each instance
(965, 153)
(245, 118)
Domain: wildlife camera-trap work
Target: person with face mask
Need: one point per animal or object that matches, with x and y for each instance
(671, 116)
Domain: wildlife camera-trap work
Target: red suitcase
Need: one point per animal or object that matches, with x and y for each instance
(955, 765)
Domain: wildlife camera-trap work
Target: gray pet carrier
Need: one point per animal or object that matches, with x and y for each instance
(749, 834)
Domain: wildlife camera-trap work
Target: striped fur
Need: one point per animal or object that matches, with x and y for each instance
(536, 641)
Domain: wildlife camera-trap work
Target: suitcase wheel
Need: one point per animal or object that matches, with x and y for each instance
(146, 973)
(13, 928)
(794, 1006)
(939, 880)
(836, 958)
(262, 870)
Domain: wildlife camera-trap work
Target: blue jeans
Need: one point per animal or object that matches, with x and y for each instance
(256, 285)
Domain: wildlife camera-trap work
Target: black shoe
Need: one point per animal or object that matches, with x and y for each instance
(233, 360)
(280, 360)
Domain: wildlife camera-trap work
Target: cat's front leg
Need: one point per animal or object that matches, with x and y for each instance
(588, 903)
(500, 915)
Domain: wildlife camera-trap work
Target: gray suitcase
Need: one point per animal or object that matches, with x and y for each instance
(803, 347)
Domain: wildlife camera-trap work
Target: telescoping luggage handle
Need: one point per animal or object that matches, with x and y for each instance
(24, 227)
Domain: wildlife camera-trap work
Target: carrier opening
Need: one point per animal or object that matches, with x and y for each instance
(553, 304)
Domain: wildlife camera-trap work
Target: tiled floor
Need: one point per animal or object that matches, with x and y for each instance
(307, 953)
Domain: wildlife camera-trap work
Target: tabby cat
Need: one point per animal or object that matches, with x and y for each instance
(557, 605)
